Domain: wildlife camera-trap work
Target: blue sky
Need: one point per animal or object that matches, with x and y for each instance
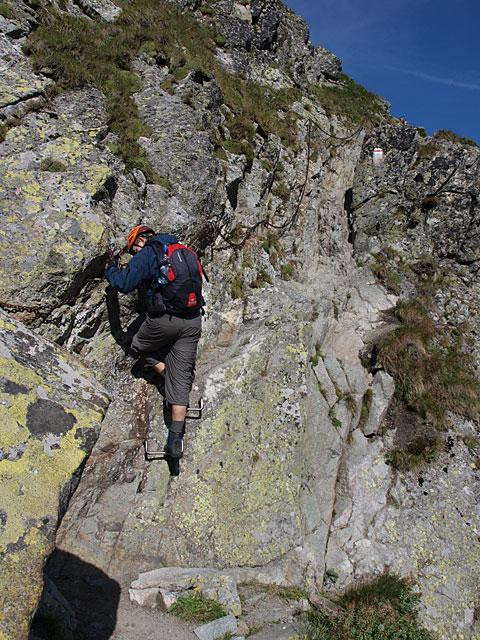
(423, 56)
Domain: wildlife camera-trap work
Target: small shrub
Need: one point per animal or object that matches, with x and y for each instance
(385, 588)
(420, 451)
(271, 243)
(281, 191)
(390, 278)
(198, 609)
(471, 442)
(421, 132)
(285, 592)
(351, 403)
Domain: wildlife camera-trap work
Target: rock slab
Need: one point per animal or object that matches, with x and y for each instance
(217, 628)
(50, 414)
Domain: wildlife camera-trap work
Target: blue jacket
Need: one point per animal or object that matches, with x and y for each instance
(143, 267)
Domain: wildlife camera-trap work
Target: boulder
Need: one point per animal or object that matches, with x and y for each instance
(50, 414)
(217, 628)
(165, 585)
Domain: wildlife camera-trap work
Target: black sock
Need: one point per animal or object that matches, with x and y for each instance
(177, 426)
(174, 446)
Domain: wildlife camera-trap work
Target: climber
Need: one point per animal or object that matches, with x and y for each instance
(168, 338)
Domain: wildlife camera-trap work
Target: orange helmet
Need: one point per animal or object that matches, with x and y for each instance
(139, 230)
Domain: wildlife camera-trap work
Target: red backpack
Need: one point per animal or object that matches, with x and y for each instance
(178, 286)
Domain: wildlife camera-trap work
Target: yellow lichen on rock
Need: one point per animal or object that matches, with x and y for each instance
(47, 409)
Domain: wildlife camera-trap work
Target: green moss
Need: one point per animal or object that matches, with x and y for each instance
(239, 147)
(220, 154)
(197, 608)
(366, 405)
(332, 575)
(50, 164)
(350, 101)
(451, 136)
(271, 243)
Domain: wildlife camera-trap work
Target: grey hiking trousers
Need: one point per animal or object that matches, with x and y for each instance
(174, 341)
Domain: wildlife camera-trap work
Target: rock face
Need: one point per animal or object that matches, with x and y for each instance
(51, 414)
(285, 480)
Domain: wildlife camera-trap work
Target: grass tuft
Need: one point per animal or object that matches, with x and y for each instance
(451, 136)
(351, 101)
(6, 10)
(388, 588)
(198, 609)
(237, 287)
(261, 280)
(432, 374)
(380, 609)
(365, 409)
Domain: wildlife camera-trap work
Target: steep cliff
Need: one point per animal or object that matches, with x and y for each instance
(339, 438)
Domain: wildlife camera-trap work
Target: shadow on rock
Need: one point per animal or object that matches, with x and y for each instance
(79, 601)
(123, 338)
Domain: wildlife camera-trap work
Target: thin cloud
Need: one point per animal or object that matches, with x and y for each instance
(448, 81)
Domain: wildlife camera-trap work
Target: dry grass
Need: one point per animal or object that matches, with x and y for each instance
(432, 373)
